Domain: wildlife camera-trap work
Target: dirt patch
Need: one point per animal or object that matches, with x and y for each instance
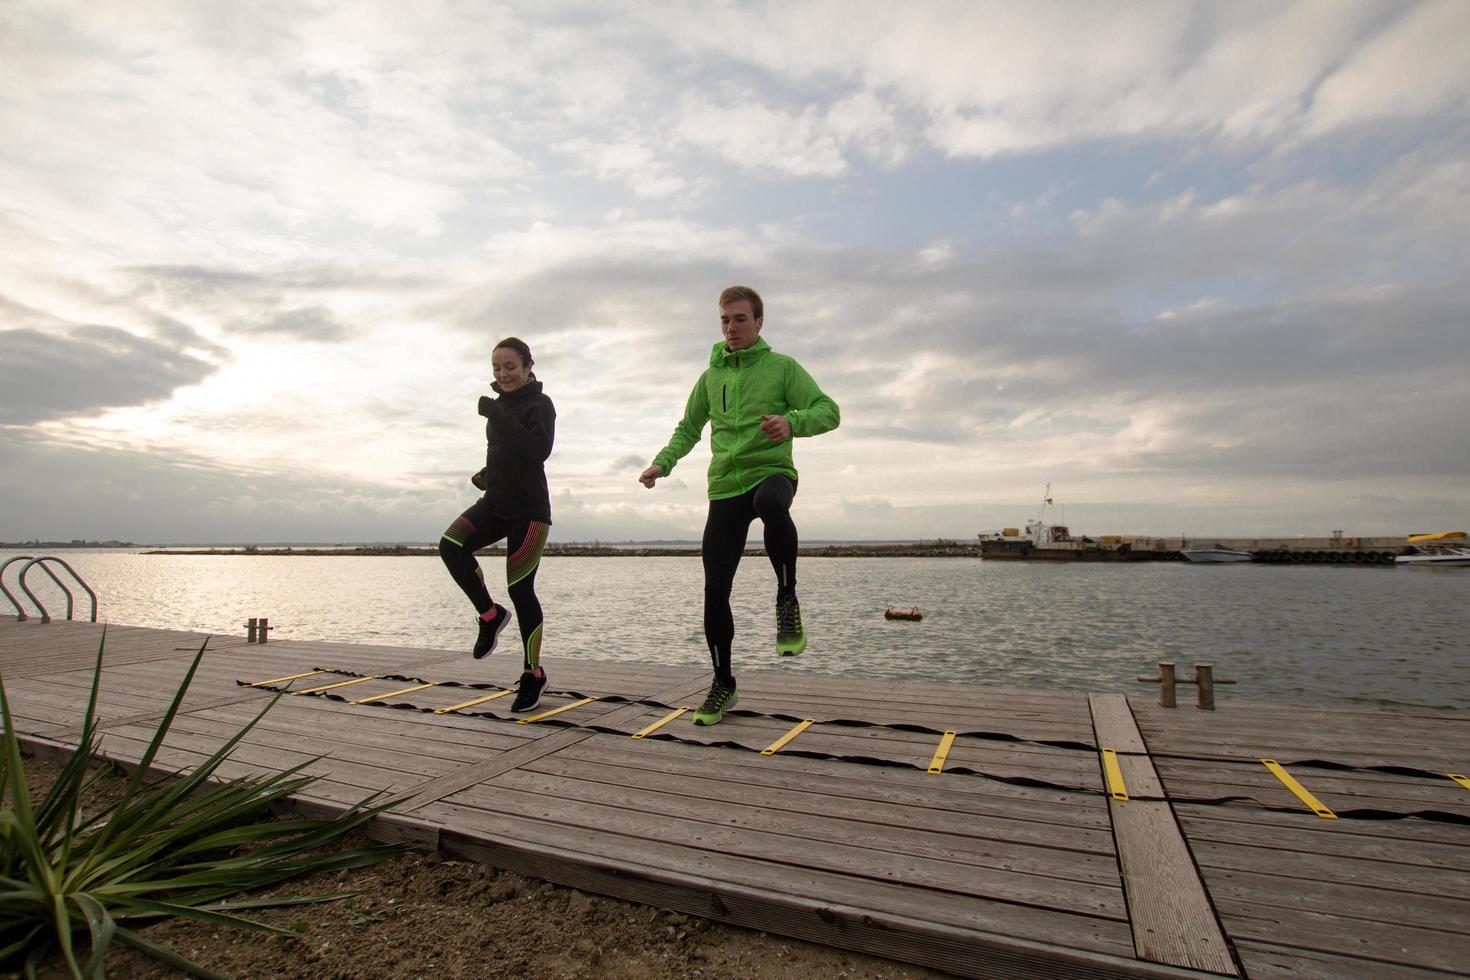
(421, 916)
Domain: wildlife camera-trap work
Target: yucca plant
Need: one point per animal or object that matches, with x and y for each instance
(179, 846)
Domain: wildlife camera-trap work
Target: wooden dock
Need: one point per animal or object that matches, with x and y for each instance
(1055, 834)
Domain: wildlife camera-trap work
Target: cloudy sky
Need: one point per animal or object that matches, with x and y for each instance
(1202, 267)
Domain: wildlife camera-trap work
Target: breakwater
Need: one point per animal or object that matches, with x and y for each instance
(1353, 551)
(922, 549)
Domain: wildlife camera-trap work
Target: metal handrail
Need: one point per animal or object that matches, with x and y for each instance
(45, 615)
(20, 613)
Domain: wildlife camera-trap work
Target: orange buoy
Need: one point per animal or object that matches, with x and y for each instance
(910, 614)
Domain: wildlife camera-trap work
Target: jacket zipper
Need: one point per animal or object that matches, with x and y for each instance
(735, 455)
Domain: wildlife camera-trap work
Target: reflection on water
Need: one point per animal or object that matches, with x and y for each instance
(1300, 633)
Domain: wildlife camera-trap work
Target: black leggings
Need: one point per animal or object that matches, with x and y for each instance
(524, 542)
(724, 542)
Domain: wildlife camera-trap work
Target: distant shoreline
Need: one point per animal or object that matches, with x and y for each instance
(935, 549)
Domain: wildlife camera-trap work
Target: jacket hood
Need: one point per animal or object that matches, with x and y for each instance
(719, 355)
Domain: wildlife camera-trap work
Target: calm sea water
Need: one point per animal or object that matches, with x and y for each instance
(1298, 633)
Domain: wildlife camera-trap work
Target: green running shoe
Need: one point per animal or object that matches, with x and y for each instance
(713, 709)
(790, 637)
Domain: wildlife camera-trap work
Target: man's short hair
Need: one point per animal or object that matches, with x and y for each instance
(735, 294)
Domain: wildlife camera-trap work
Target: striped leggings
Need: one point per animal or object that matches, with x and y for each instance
(524, 541)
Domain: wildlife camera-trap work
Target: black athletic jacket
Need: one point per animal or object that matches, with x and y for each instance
(518, 435)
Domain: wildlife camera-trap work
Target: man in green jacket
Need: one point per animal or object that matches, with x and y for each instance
(757, 402)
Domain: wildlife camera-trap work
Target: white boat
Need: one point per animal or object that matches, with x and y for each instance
(1441, 558)
(1436, 551)
(1216, 554)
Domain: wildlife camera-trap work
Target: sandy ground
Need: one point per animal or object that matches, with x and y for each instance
(421, 916)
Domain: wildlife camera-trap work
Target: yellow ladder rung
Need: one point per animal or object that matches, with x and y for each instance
(936, 764)
(780, 743)
(1311, 802)
(1116, 787)
(391, 694)
(329, 687)
(282, 680)
(471, 704)
(555, 711)
(660, 723)
(1463, 780)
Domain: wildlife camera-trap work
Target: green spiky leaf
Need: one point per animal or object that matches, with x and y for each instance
(169, 847)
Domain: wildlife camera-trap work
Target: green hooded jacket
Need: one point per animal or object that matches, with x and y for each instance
(732, 394)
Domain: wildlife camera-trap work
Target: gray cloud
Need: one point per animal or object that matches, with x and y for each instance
(196, 282)
(595, 293)
(55, 491)
(304, 323)
(289, 302)
(18, 315)
(93, 367)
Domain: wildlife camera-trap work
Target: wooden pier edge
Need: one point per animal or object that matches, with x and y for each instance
(1169, 908)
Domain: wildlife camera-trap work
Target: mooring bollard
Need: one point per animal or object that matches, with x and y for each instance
(1204, 681)
(1166, 681)
(250, 629)
(265, 629)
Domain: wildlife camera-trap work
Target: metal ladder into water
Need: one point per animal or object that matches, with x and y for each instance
(43, 561)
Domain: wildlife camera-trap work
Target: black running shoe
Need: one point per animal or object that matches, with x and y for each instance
(790, 637)
(528, 694)
(713, 709)
(490, 631)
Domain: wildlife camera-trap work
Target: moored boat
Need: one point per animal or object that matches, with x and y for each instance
(1044, 540)
(1436, 551)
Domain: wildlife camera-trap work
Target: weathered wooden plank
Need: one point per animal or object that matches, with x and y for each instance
(1171, 915)
(184, 750)
(143, 718)
(788, 847)
(1408, 843)
(808, 816)
(54, 705)
(876, 926)
(717, 869)
(1371, 941)
(1366, 744)
(1337, 794)
(433, 732)
(954, 782)
(1371, 838)
(1389, 906)
(1265, 961)
(1248, 771)
(1084, 828)
(439, 788)
(1407, 751)
(347, 744)
(1387, 876)
(1071, 769)
(1065, 808)
(876, 700)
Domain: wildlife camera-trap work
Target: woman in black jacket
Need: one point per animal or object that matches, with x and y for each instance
(519, 432)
